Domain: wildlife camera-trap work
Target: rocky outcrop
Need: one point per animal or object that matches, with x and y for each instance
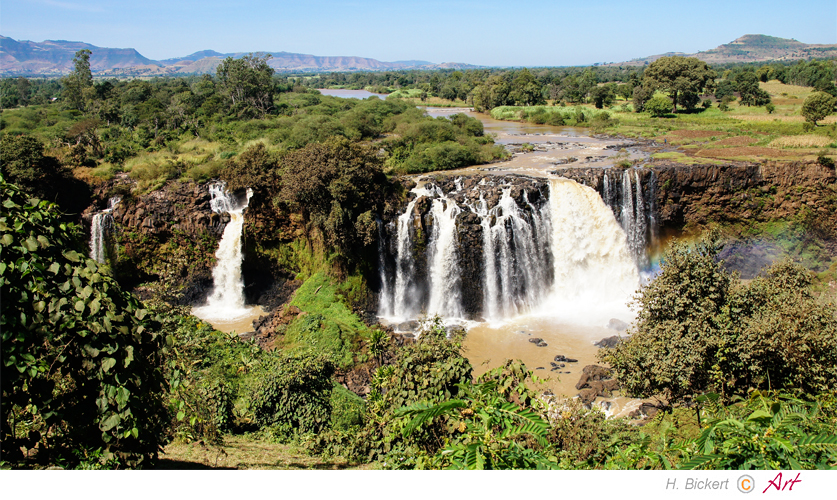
(695, 195)
(167, 239)
(595, 381)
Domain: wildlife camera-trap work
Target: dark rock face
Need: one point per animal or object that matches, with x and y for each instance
(177, 207)
(595, 381)
(591, 373)
(646, 409)
(170, 236)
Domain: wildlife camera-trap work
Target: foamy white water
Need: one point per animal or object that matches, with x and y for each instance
(226, 302)
(594, 273)
(568, 258)
(100, 225)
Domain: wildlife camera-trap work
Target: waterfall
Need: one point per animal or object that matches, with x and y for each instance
(445, 296)
(386, 296)
(529, 246)
(100, 226)
(516, 265)
(594, 272)
(635, 209)
(403, 303)
(227, 298)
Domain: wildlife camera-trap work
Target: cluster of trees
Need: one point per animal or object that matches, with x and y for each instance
(817, 74)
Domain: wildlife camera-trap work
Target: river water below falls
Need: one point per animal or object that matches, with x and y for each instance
(488, 346)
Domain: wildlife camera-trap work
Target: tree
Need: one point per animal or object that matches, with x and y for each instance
(25, 164)
(525, 90)
(659, 105)
(603, 96)
(641, 95)
(77, 82)
(748, 87)
(248, 84)
(817, 106)
(724, 88)
(494, 92)
(23, 86)
(676, 75)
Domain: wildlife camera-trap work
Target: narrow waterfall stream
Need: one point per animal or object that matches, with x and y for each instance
(100, 225)
(225, 307)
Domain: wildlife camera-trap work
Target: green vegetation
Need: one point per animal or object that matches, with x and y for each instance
(659, 105)
(93, 378)
(817, 106)
(80, 368)
(698, 331)
(683, 78)
(330, 327)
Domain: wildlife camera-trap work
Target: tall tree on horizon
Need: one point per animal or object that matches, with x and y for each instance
(79, 81)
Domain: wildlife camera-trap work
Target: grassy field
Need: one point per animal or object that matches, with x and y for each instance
(748, 133)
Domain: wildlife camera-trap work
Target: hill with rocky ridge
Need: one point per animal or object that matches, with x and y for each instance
(749, 49)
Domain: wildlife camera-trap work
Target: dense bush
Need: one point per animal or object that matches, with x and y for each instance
(699, 331)
(292, 393)
(80, 356)
(659, 105)
(766, 431)
(429, 371)
(24, 163)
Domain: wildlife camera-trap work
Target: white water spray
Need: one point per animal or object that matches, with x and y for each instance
(227, 299)
(595, 275)
(567, 258)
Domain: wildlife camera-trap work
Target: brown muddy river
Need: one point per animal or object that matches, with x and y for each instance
(488, 347)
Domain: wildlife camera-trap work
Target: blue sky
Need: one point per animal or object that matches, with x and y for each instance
(485, 32)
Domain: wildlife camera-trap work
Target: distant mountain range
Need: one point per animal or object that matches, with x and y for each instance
(750, 48)
(55, 57)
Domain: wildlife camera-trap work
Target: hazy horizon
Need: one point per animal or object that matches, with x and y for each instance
(486, 33)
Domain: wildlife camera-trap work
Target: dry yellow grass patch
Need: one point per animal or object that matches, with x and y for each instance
(770, 118)
(777, 88)
(784, 101)
(747, 152)
(801, 141)
(87, 175)
(242, 452)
